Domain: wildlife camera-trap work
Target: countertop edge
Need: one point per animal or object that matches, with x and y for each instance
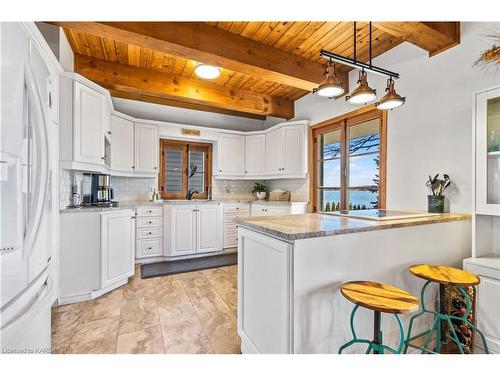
(292, 237)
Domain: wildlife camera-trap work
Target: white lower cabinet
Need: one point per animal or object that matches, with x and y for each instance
(232, 211)
(149, 232)
(487, 299)
(191, 228)
(117, 247)
(276, 209)
(96, 253)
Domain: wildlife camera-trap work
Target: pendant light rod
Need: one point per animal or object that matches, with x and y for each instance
(353, 63)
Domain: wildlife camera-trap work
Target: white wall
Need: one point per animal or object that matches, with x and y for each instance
(432, 132)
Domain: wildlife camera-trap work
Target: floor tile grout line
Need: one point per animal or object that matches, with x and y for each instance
(159, 320)
(119, 320)
(197, 317)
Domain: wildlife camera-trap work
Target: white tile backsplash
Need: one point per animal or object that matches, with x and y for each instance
(137, 189)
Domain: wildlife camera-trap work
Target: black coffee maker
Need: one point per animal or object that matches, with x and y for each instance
(97, 191)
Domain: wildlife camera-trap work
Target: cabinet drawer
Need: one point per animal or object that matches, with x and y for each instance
(241, 208)
(144, 233)
(149, 248)
(483, 271)
(150, 211)
(230, 240)
(149, 222)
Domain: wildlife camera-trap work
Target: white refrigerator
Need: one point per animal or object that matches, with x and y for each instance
(26, 195)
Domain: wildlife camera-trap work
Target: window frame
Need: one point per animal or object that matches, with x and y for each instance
(342, 123)
(185, 146)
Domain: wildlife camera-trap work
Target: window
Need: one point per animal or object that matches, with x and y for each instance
(348, 156)
(185, 166)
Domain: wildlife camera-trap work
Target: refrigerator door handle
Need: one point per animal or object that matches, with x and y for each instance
(41, 190)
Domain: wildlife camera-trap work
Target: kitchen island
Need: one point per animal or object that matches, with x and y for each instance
(290, 269)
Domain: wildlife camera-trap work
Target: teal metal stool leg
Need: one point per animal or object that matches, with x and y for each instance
(376, 345)
(437, 326)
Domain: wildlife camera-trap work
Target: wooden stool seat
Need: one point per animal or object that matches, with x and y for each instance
(379, 297)
(445, 275)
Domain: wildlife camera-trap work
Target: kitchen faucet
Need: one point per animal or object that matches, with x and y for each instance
(190, 194)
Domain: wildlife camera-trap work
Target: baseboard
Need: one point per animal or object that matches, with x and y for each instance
(88, 296)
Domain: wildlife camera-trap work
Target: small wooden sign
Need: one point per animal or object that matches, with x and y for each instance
(191, 132)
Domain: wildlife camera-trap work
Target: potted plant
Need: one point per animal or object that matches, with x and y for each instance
(437, 188)
(259, 188)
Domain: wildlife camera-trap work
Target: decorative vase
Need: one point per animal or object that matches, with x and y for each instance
(261, 195)
(435, 203)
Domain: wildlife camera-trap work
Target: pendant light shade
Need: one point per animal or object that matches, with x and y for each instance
(206, 71)
(392, 99)
(331, 85)
(363, 93)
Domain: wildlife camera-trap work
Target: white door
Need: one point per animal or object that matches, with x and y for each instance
(208, 227)
(87, 118)
(183, 229)
(146, 148)
(117, 246)
(122, 148)
(488, 152)
(294, 153)
(275, 152)
(255, 155)
(231, 155)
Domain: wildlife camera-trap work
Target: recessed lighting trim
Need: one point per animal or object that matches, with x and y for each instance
(207, 71)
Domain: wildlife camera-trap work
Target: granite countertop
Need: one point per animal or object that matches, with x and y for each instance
(298, 227)
(134, 204)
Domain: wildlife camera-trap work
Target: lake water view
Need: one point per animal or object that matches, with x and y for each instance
(356, 197)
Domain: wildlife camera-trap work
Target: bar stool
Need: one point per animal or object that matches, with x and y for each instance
(380, 298)
(443, 276)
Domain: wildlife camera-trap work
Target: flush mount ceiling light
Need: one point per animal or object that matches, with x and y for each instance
(392, 99)
(207, 71)
(331, 86)
(364, 93)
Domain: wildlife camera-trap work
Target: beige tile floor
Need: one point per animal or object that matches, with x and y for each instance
(186, 313)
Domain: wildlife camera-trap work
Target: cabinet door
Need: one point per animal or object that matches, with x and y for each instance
(183, 229)
(488, 311)
(117, 247)
(275, 152)
(294, 152)
(122, 147)
(488, 152)
(231, 155)
(87, 118)
(255, 155)
(208, 228)
(278, 211)
(146, 148)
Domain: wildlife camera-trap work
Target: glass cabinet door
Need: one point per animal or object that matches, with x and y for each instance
(488, 152)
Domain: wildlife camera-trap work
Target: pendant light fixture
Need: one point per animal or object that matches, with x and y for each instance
(206, 71)
(363, 93)
(392, 99)
(331, 86)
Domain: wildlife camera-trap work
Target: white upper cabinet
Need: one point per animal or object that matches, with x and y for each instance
(88, 115)
(286, 152)
(293, 150)
(274, 152)
(230, 155)
(146, 148)
(122, 150)
(488, 152)
(117, 247)
(255, 155)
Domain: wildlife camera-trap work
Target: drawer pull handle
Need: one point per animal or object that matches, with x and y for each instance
(150, 233)
(149, 248)
(149, 221)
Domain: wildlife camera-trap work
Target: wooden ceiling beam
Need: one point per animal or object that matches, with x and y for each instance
(132, 80)
(434, 37)
(201, 42)
(185, 105)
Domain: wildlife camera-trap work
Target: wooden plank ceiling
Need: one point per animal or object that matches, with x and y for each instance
(265, 66)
